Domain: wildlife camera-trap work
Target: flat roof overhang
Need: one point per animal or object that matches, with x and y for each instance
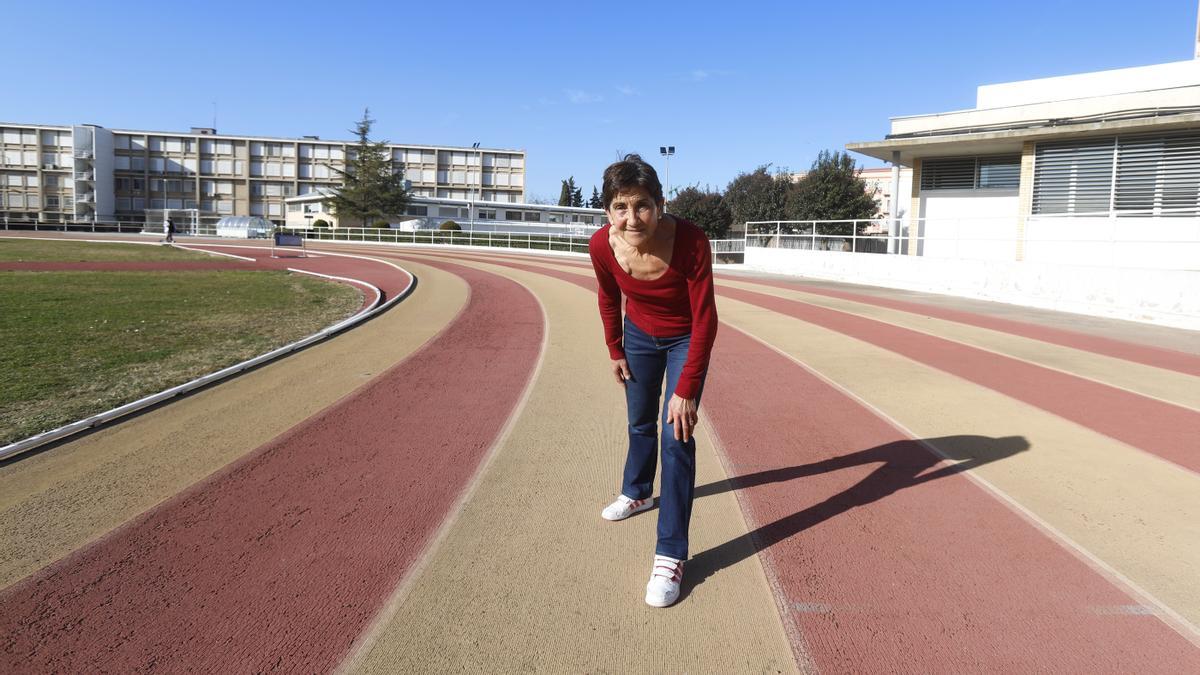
(1005, 141)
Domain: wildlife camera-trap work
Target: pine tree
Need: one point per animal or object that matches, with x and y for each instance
(595, 202)
(570, 195)
(372, 188)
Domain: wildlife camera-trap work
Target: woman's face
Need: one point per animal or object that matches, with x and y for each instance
(635, 215)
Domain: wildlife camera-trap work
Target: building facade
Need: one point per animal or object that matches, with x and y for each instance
(1091, 168)
(88, 173)
(428, 213)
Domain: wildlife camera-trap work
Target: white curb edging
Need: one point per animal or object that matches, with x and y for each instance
(41, 439)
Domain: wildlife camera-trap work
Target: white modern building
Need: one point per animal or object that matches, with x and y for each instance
(1095, 168)
(429, 213)
(88, 173)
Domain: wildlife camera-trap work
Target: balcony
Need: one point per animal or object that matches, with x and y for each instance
(83, 154)
(83, 175)
(85, 198)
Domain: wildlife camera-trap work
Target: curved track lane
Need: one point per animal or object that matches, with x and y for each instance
(287, 554)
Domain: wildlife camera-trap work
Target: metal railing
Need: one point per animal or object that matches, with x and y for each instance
(563, 243)
(1162, 239)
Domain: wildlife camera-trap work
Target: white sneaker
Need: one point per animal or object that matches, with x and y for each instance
(625, 507)
(663, 589)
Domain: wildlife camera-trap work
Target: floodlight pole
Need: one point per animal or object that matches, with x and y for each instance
(667, 151)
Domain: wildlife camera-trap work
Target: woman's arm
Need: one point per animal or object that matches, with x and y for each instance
(608, 295)
(704, 321)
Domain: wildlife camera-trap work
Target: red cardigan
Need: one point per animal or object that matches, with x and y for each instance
(677, 303)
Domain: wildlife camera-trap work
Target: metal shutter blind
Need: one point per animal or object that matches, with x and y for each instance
(1000, 172)
(1073, 176)
(1159, 174)
(948, 173)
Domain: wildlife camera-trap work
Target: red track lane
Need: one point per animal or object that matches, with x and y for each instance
(888, 561)
(1163, 429)
(1151, 356)
(379, 274)
(280, 560)
(1158, 357)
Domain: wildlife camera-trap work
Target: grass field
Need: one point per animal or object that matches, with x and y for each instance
(63, 250)
(79, 343)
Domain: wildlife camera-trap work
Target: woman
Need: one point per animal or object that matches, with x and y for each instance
(663, 266)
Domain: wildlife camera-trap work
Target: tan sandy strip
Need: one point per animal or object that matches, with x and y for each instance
(529, 578)
(56, 501)
(1129, 509)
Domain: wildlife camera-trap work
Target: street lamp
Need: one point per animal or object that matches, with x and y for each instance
(667, 151)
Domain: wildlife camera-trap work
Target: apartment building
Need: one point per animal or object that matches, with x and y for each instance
(88, 173)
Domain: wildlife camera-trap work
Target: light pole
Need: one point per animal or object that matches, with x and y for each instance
(667, 151)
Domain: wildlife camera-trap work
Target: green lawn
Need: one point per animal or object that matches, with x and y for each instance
(66, 250)
(73, 344)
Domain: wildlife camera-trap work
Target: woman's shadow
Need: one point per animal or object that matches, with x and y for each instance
(902, 465)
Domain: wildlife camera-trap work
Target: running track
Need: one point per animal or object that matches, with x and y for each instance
(884, 486)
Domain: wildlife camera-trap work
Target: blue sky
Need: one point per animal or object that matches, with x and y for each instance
(731, 85)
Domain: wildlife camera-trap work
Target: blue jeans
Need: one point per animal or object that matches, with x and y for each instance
(649, 358)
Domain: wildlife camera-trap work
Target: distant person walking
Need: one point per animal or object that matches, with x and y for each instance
(662, 265)
(169, 229)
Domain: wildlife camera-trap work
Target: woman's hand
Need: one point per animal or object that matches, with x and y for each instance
(681, 414)
(620, 370)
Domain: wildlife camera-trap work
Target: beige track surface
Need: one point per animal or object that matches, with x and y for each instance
(529, 577)
(1129, 513)
(52, 503)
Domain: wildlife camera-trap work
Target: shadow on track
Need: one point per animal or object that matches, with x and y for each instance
(902, 465)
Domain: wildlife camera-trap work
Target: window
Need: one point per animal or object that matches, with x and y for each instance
(155, 144)
(225, 206)
(320, 171)
(224, 188)
(174, 186)
(31, 157)
(517, 161)
(1158, 174)
(1073, 176)
(137, 163)
(156, 185)
(417, 210)
(321, 152)
(158, 203)
(513, 215)
(12, 136)
(517, 179)
(948, 173)
(206, 166)
(256, 148)
(443, 176)
(157, 165)
(447, 212)
(502, 178)
(225, 166)
(139, 203)
(51, 180)
(275, 209)
(487, 214)
(305, 170)
(458, 177)
(137, 142)
(289, 170)
(173, 145)
(29, 136)
(174, 203)
(533, 216)
(256, 208)
(13, 180)
(337, 153)
(121, 142)
(189, 165)
(123, 204)
(223, 147)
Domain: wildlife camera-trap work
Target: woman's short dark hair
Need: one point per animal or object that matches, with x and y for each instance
(633, 171)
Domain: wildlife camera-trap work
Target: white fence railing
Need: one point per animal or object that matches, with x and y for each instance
(1134, 240)
(563, 243)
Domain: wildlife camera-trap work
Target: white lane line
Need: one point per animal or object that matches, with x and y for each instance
(27, 444)
(361, 648)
